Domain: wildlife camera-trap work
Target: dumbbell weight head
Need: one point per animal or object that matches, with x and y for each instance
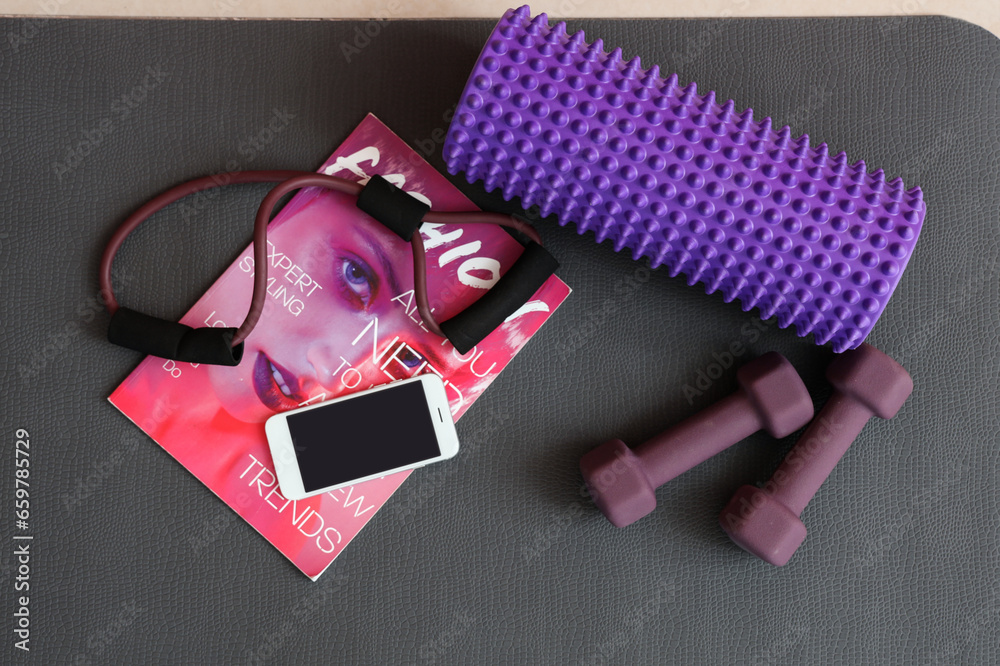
(763, 526)
(765, 521)
(780, 399)
(623, 481)
(872, 378)
(617, 483)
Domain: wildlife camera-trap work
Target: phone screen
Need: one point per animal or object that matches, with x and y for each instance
(363, 436)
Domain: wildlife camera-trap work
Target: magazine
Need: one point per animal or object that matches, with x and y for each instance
(340, 317)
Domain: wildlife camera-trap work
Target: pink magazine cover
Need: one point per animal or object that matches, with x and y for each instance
(340, 317)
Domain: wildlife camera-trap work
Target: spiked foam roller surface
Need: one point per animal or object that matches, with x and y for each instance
(686, 181)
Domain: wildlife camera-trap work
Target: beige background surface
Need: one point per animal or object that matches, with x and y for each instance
(985, 13)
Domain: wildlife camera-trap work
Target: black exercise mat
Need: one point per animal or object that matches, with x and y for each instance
(495, 556)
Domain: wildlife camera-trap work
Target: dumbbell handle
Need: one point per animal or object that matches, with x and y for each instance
(818, 451)
(698, 438)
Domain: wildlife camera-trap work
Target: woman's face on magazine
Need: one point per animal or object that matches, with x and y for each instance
(316, 337)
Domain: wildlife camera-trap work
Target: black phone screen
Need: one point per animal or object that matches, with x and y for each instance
(362, 436)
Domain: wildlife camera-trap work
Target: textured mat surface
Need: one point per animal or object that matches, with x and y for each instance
(496, 556)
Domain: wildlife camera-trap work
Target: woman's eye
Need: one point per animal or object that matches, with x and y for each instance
(409, 358)
(359, 281)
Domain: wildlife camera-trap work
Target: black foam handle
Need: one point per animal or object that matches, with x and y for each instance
(170, 340)
(467, 329)
(393, 207)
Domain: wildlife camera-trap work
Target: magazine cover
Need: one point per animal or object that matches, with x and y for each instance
(340, 318)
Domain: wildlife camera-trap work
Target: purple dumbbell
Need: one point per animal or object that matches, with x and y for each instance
(765, 521)
(684, 180)
(623, 481)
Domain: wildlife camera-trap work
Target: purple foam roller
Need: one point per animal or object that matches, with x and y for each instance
(683, 180)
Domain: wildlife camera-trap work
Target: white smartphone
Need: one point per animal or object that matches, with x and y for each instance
(367, 435)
